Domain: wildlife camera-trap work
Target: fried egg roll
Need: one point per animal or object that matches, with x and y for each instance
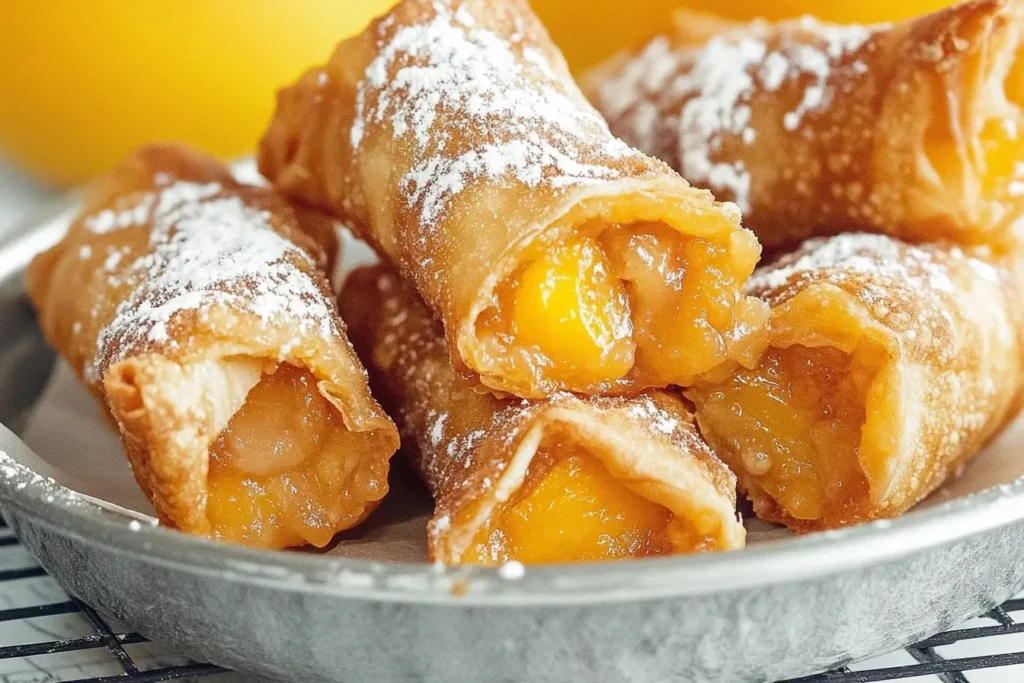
(566, 479)
(888, 366)
(194, 309)
(914, 129)
(452, 137)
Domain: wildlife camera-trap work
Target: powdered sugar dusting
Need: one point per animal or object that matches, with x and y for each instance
(512, 571)
(876, 255)
(23, 477)
(718, 86)
(135, 214)
(436, 81)
(473, 448)
(437, 431)
(917, 291)
(649, 413)
(207, 248)
(183, 193)
(684, 104)
(816, 61)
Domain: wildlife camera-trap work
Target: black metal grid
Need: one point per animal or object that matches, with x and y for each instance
(103, 636)
(928, 661)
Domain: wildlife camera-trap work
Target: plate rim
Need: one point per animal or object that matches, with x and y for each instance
(815, 556)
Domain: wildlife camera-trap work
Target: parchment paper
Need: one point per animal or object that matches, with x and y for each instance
(77, 448)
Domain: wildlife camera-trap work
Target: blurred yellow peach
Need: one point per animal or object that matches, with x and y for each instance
(589, 30)
(84, 82)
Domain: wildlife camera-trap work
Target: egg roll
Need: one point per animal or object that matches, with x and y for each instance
(193, 307)
(888, 366)
(451, 136)
(564, 479)
(914, 129)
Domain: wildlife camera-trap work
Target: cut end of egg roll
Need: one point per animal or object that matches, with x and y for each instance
(887, 367)
(799, 426)
(565, 479)
(558, 258)
(587, 482)
(638, 288)
(194, 308)
(974, 139)
(912, 129)
(283, 470)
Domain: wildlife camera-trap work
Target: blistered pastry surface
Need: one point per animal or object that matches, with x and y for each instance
(814, 128)
(952, 321)
(169, 242)
(472, 91)
(206, 248)
(683, 104)
(172, 270)
(919, 292)
(476, 95)
(462, 441)
(451, 136)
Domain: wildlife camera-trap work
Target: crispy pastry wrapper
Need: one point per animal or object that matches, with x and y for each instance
(939, 330)
(474, 450)
(173, 292)
(452, 137)
(910, 129)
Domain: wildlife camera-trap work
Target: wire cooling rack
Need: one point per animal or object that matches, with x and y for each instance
(48, 637)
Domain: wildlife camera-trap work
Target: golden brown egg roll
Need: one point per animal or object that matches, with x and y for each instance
(913, 129)
(193, 307)
(888, 366)
(566, 479)
(452, 137)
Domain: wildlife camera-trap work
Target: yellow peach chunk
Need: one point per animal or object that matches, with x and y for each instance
(281, 472)
(240, 511)
(1002, 142)
(682, 296)
(574, 511)
(792, 429)
(569, 307)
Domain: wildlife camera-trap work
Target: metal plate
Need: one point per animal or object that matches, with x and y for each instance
(778, 610)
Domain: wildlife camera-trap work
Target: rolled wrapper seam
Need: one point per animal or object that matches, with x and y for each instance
(194, 308)
(452, 137)
(911, 129)
(888, 366)
(639, 480)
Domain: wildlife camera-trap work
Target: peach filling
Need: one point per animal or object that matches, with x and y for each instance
(792, 429)
(284, 471)
(1002, 144)
(571, 509)
(996, 144)
(569, 307)
(639, 303)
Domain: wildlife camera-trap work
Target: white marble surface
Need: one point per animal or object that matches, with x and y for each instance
(18, 197)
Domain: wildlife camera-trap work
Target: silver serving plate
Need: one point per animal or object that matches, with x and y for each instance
(778, 610)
